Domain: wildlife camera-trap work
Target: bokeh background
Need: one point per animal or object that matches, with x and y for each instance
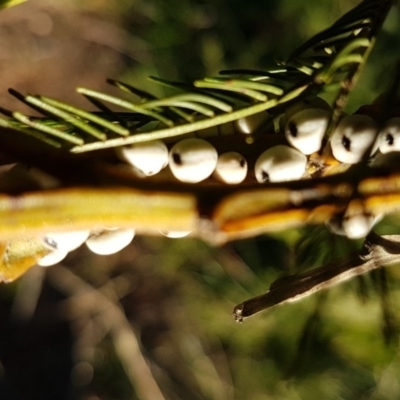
(154, 321)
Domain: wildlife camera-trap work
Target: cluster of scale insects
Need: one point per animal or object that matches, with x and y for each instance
(194, 159)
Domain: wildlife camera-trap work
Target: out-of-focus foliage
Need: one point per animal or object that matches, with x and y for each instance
(61, 332)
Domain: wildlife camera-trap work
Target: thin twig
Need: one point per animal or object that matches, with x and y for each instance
(376, 252)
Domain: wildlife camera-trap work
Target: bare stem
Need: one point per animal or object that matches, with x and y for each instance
(376, 252)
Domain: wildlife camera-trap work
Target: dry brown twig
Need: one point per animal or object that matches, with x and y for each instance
(376, 252)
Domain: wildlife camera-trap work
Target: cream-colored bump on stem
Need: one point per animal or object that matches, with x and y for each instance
(110, 241)
(314, 102)
(389, 137)
(147, 157)
(67, 241)
(250, 124)
(354, 225)
(52, 258)
(192, 160)
(352, 137)
(175, 234)
(305, 129)
(279, 164)
(231, 168)
(359, 225)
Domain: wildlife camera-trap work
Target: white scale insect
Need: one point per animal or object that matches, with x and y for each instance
(353, 136)
(305, 129)
(304, 123)
(109, 241)
(231, 168)
(148, 158)
(279, 164)
(60, 244)
(358, 226)
(389, 137)
(192, 160)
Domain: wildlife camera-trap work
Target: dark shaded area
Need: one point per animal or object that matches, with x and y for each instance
(36, 355)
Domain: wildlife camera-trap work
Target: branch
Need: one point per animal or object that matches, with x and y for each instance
(375, 253)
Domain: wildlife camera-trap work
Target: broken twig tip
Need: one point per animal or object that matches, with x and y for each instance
(238, 313)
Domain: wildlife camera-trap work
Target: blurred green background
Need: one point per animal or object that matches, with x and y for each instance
(154, 321)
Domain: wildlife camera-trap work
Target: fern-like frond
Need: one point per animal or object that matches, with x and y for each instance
(327, 60)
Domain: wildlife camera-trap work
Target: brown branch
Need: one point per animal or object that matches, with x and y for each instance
(376, 252)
